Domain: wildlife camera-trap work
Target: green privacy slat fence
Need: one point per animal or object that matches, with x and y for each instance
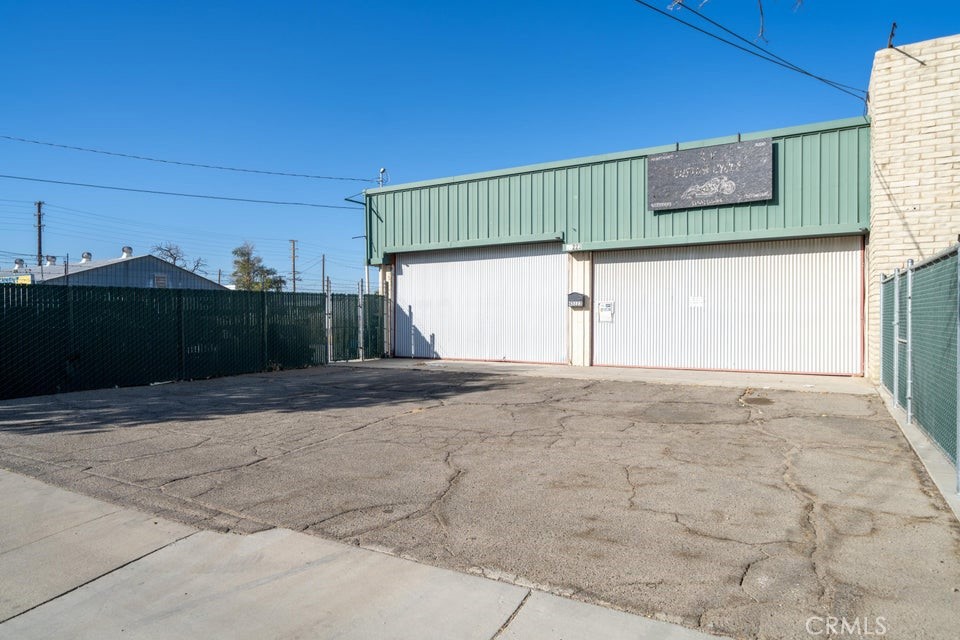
(934, 347)
(295, 334)
(374, 321)
(346, 322)
(222, 334)
(926, 362)
(889, 344)
(56, 338)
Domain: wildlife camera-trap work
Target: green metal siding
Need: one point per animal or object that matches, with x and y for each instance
(821, 183)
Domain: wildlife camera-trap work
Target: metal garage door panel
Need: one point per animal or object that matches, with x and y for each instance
(786, 306)
(489, 303)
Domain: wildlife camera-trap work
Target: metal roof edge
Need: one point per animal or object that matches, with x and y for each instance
(829, 125)
(115, 261)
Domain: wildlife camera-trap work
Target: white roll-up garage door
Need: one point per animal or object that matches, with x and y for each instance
(488, 303)
(787, 306)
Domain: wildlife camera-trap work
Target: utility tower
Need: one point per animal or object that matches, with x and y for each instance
(293, 264)
(39, 204)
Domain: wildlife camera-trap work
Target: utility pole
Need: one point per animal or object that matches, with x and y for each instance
(293, 263)
(39, 204)
(383, 178)
(219, 275)
(323, 270)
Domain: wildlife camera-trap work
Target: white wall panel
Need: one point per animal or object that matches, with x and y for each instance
(490, 303)
(784, 306)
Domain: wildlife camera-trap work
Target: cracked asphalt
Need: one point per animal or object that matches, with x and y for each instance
(736, 511)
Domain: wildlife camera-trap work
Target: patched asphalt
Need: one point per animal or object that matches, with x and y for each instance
(737, 511)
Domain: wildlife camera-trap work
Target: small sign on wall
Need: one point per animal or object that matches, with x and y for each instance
(21, 279)
(605, 311)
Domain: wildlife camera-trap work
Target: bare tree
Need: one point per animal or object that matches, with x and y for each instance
(761, 35)
(176, 256)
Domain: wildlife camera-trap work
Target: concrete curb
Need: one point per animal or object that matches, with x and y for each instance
(938, 467)
(853, 385)
(276, 583)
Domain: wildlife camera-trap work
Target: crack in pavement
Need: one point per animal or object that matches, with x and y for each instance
(512, 616)
(507, 476)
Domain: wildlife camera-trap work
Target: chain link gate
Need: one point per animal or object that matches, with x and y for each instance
(920, 346)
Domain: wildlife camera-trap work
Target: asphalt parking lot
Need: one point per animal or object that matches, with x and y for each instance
(738, 511)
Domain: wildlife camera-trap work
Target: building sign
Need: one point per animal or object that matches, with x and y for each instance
(709, 176)
(24, 279)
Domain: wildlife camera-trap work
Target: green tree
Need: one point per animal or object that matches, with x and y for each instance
(250, 274)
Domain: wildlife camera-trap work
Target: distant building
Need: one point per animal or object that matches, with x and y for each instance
(145, 272)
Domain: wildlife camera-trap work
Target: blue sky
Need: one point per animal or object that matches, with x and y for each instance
(425, 89)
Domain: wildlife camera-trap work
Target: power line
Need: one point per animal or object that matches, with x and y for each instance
(768, 57)
(185, 164)
(182, 195)
(767, 52)
(102, 226)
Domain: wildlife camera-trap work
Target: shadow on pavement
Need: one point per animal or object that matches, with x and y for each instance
(305, 390)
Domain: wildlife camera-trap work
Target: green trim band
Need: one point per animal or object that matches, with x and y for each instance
(476, 242)
(722, 238)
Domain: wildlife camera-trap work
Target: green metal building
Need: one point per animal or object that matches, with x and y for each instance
(569, 262)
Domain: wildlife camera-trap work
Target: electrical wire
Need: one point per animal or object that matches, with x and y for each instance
(183, 195)
(208, 241)
(767, 52)
(768, 58)
(184, 164)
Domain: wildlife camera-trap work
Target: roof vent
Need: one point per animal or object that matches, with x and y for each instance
(85, 257)
(51, 261)
(18, 264)
(127, 252)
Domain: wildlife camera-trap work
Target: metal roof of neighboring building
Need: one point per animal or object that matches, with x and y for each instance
(56, 272)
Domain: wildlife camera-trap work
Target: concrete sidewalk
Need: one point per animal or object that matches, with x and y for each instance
(77, 567)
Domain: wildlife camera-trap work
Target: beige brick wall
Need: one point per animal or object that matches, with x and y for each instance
(915, 164)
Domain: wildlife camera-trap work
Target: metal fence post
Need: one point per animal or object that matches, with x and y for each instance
(360, 318)
(882, 325)
(328, 319)
(181, 338)
(263, 331)
(909, 341)
(956, 461)
(896, 336)
(386, 313)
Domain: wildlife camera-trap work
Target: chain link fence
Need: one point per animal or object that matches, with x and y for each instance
(919, 340)
(70, 338)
